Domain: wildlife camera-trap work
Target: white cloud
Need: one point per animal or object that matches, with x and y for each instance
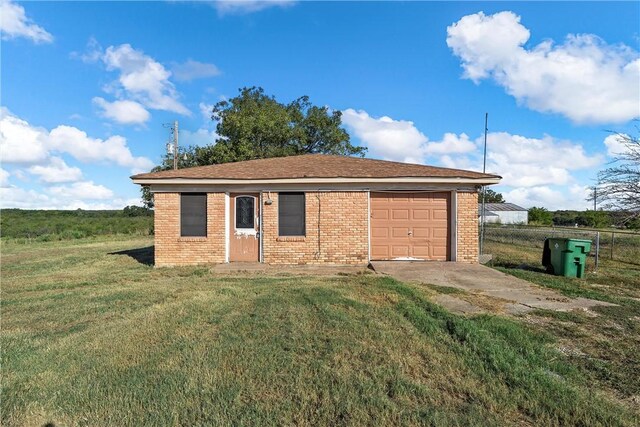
(143, 78)
(385, 137)
(205, 110)
(200, 137)
(14, 23)
(56, 171)
(229, 7)
(192, 70)
(85, 190)
(16, 197)
(4, 178)
(400, 140)
(527, 162)
(572, 197)
(71, 140)
(124, 112)
(521, 161)
(615, 145)
(451, 143)
(93, 52)
(584, 78)
(22, 143)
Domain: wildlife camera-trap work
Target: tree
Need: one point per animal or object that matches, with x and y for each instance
(136, 211)
(491, 196)
(540, 216)
(594, 219)
(619, 185)
(256, 126)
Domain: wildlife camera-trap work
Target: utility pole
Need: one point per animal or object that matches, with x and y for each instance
(484, 187)
(175, 145)
(172, 144)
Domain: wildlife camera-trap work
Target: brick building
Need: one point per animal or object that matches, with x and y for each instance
(314, 209)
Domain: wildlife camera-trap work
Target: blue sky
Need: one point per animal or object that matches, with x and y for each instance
(86, 87)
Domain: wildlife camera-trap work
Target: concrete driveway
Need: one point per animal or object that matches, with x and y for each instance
(508, 293)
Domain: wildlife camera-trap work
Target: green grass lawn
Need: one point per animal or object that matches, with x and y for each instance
(605, 342)
(91, 338)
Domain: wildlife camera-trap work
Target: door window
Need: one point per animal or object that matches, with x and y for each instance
(245, 212)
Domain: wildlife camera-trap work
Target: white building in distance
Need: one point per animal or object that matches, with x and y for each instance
(503, 213)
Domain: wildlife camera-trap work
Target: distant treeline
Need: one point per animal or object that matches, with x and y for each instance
(593, 219)
(596, 219)
(44, 225)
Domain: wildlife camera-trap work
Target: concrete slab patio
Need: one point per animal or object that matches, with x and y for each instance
(512, 295)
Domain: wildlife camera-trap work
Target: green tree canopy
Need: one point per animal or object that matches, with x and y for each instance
(491, 196)
(254, 125)
(540, 216)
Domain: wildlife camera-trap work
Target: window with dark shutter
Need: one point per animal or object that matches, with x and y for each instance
(193, 215)
(291, 214)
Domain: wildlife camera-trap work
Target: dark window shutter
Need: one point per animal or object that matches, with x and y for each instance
(291, 214)
(193, 215)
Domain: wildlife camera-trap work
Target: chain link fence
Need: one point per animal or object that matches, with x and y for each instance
(514, 245)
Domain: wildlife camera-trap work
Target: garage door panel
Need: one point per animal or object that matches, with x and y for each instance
(420, 214)
(400, 232)
(379, 232)
(440, 214)
(425, 215)
(421, 251)
(422, 232)
(440, 252)
(380, 213)
(400, 214)
(440, 233)
(399, 198)
(380, 252)
(399, 251)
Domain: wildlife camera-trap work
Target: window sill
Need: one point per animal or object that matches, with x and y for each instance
(291, 239)
(192, 239)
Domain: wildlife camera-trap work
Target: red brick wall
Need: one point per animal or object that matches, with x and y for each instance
(341, 237)
(343, 231)
(468, 227)
(171, 249)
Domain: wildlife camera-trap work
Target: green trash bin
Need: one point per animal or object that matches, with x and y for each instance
(566, 257)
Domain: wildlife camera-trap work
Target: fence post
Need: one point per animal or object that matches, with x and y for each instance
(613, 242)
(597, 249)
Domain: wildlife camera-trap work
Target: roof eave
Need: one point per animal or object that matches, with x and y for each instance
(489, 180)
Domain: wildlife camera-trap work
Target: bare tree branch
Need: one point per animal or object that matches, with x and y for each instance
(619, 185)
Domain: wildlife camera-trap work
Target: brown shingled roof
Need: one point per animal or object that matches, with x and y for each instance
(313, 166)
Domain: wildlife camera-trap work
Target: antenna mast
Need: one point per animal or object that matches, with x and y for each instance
(484, 187)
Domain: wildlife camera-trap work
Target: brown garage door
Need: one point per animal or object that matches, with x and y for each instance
(410, 225)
